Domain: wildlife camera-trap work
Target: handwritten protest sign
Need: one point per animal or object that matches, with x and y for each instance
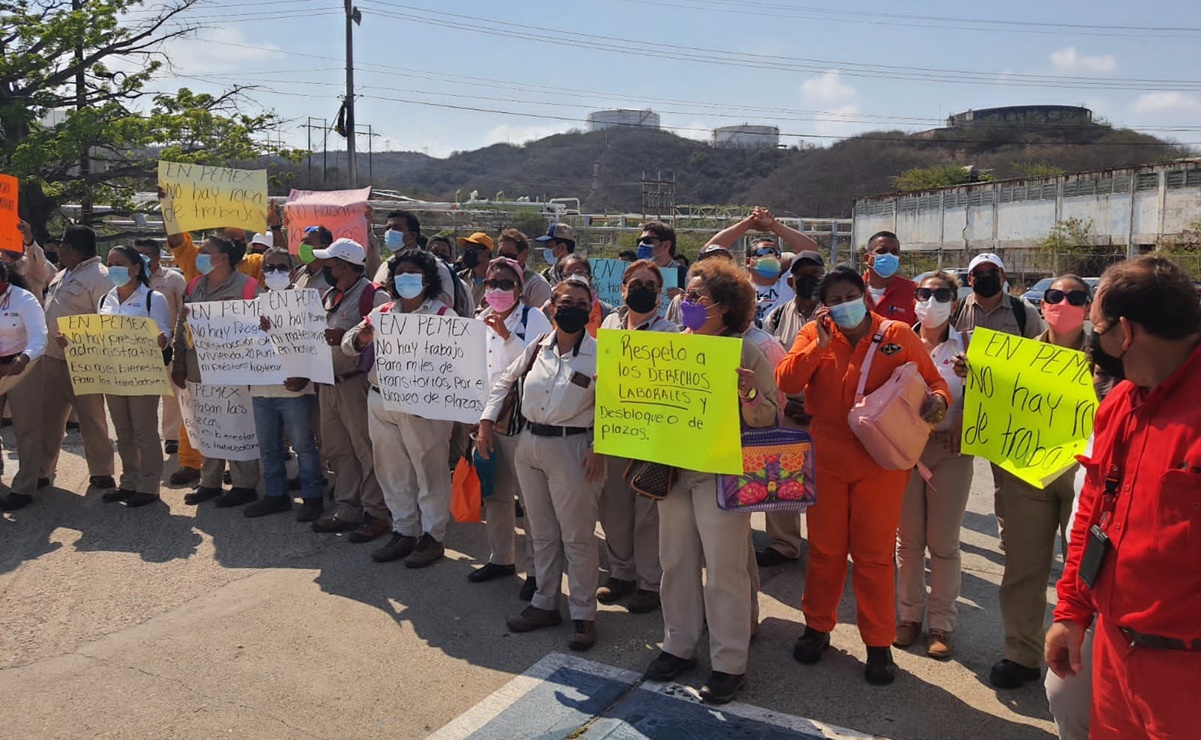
(11, 239)
(114, 355)
(219, 421)
(669, 398)
(1028, 406)
(231, 347)
(435, 367)
(607, 275)
(298, 333)
(202, 197)
(343, 212)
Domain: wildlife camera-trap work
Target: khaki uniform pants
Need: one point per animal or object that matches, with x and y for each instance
(631, 524)
(135, 419)
(695, 534)
(347, 447)
(172, 421)
(785, 529)
(410, 463)
(501, 509)
(242, 473)
(931, 519)
(58, 400)
(561, 512)
(1032, 519)
(27, 414)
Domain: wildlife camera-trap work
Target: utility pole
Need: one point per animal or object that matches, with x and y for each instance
(353, 17)
(81, 101)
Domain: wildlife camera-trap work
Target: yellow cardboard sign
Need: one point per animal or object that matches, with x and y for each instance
(669, 398)
(1028, 405)
(202, 197)
(114, 355)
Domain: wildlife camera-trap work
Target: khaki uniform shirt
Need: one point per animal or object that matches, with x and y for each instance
(343, 313)
(230, 290)
(1001, 318)
(72, 293)
(559, 389)
(431, 306)
(173, 286)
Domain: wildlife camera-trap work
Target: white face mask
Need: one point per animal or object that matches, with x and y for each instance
(278, 280)
(932, 313)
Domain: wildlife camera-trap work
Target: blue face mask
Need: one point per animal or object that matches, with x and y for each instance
(548, 256)
(768, 267)
(118, 275)
(886, 265)
(394, 240)
(409, 285)
(204, 263)
(646, 251)
(850, 314)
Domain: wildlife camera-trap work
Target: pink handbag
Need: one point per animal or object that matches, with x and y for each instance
(888, 421)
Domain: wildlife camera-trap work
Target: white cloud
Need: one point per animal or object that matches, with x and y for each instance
(1166, 103)
(1069, 61)
(221, 50)
(837, 101)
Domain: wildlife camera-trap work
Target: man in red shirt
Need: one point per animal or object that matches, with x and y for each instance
(1134, 561)
(888, 294)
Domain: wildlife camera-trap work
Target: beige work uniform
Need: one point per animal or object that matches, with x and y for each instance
(694, 534)
(242, 473)
(409, 451)
(345, 428)
(72, 293)
(630, 521)
(23, 332)
(173, 286)
(1002, 319)
(560, 505)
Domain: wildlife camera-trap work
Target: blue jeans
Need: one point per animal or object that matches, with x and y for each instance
(274, 416)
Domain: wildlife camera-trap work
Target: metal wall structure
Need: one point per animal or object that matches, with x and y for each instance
(746, 136)
(1133, 209)
(622, 117)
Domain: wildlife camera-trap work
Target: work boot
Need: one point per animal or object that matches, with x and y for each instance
(200, 495)
(310, 510)
(398, 547)
(427, 552)
(584, 635)
(141, 498)
(119, 494)
(939, 645)
(1007, 674)
(666, 667)
(770, 557)
(184, 476)
(491, 571)
(267, 505)
(14, 501)
(614, 589)
(171, 447)
(880, 670)
(643, 602)
(907, 634)
(102, 481)
(528, 589)
(334, 524)
(43, 483)
(372, 528)
(721, 688)
(236, 497)
(533, 618)
(809, 646)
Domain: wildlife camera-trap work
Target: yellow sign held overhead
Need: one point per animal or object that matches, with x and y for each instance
(114, 355)
(1028, 406)
(669, 398)
(201, 197)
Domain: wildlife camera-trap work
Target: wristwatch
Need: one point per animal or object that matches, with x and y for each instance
(750, 396)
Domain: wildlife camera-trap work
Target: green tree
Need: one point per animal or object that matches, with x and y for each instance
(89, 61)
(1038, 169)
(937, 176)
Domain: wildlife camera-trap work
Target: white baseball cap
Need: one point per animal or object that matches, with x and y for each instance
(267, 240)
(347, 250)
(986, 258)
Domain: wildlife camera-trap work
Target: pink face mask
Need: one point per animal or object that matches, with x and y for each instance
(1063, 317)
(500, 300)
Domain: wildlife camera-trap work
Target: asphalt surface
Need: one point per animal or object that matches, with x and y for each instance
(174, 621)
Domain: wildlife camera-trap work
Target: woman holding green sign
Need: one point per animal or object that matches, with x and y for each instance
(694, 534)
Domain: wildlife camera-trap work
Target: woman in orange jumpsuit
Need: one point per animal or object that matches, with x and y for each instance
(858, 502)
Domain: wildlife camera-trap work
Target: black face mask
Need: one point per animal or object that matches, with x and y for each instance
(471, 258)
(642, 300)
(987, 286)
(328, 274)
(1105, 362)
(806, 286)
(52, 257)
(571, 319)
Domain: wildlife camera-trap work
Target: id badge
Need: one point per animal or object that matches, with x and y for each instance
(1095, 552)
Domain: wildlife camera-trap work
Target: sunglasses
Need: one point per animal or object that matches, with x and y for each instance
(765, 252)
(311, 229)
(503, 284)
(1075, 297)
(942, 295)
(276, 268)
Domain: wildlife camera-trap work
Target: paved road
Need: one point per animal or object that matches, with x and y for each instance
(172, 621)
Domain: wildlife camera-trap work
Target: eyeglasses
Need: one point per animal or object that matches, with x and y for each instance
(500, 284)
(276, 268)
(942, 295)
(693, 296)
(1075, 297)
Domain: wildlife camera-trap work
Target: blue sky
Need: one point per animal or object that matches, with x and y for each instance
(819, 70)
